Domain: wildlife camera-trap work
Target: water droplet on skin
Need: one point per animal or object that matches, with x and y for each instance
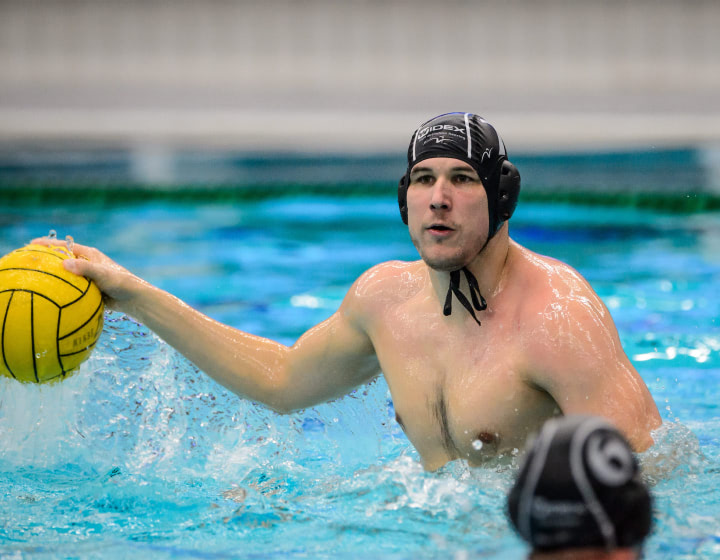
(52, 234)
(70, 243)
(477, 445)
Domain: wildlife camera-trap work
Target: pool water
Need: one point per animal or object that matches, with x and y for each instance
(140, 455)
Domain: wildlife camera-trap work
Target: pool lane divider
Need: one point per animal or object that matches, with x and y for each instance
(674, 180)
(29, 194)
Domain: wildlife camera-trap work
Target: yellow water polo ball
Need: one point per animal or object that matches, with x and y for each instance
(50, 319)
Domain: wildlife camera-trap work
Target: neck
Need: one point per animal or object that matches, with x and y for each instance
(488, 267)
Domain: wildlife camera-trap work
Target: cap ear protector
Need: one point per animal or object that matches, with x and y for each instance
(504, 204)
(507, 194)
(402, 197)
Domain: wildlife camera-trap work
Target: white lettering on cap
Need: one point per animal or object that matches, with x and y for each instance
(469, 140)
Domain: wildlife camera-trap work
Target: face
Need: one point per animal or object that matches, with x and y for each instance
(447, 212)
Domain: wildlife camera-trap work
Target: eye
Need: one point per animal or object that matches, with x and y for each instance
(462, 178)
(424, 179)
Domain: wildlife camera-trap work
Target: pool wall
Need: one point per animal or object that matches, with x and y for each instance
(324, 75)
(106, 101)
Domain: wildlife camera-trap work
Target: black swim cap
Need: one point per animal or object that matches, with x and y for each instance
(471, 139)
(580, 487)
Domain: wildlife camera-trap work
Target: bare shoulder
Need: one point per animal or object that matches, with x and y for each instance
(566, 326)
(385, 284)
(392, 280)
(571, 349)
(553, 290)
(561, 316)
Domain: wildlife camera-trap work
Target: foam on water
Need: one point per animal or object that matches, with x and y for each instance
(139, 447)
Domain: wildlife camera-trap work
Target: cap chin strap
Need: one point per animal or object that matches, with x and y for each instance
(478, 301)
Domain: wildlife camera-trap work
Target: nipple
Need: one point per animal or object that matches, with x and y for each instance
(482, 439)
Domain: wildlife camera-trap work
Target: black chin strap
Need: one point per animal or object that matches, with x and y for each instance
(479, 304)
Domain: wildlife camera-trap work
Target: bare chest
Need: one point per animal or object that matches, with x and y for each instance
(460, 395)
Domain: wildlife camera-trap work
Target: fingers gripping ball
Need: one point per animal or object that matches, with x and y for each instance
(50, 319)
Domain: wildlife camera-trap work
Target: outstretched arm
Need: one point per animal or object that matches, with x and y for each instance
(326, 362)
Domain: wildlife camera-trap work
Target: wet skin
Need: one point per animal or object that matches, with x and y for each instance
(547, 344)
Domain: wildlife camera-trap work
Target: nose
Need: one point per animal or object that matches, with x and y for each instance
(440, 198)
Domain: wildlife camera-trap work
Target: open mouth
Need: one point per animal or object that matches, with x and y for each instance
(439, 227)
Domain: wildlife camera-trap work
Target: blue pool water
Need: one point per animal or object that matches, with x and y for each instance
(141, 456)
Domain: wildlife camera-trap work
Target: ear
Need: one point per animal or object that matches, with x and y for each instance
(402, 198)
(508, 191)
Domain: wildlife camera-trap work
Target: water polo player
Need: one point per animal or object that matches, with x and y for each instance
(480, 341)
(579, 493)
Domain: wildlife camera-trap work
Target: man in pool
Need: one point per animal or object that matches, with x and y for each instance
(533, 340)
